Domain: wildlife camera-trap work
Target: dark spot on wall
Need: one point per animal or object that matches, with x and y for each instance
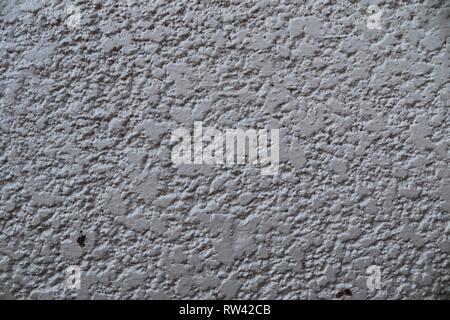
(348, 292)
(81, 240)
(345, 292)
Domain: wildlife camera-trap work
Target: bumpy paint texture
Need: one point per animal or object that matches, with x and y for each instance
(89, 99)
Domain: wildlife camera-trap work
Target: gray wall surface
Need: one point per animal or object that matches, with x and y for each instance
(89, 99)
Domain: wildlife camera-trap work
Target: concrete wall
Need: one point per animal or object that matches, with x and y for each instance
(88, 106)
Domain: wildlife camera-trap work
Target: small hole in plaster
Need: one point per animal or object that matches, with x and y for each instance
(345, 292)
(81, 240)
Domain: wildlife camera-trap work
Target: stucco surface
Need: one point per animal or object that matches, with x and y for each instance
(86, 176)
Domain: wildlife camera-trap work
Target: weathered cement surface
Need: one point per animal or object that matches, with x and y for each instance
(86, 177)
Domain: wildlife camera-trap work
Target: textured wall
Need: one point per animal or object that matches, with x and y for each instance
(86, 176)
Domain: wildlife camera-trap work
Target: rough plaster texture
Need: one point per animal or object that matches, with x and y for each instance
(86, 177)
